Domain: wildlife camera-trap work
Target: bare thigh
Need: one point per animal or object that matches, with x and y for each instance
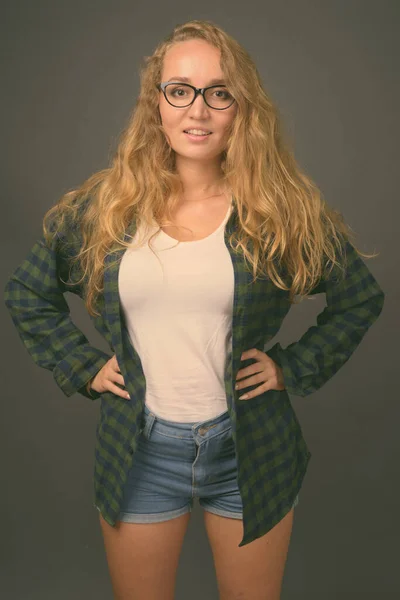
(143, 557)
(254, 571)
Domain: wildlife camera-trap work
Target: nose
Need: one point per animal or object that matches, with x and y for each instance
(199, 107)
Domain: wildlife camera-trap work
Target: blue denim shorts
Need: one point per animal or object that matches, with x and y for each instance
(177, 462)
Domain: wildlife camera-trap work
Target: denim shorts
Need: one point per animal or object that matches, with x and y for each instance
(177, 462)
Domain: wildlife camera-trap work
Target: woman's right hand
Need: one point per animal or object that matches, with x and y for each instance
(107, 378)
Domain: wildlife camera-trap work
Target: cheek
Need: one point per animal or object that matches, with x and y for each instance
(169, 118)
(224, 123)
(230, 119)
(226, 127)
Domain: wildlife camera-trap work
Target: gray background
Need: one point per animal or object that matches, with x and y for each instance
(69, 80)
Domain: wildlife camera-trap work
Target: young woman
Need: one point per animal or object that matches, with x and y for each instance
(188, 252)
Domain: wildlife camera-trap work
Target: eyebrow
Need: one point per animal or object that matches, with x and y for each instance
(187, 79)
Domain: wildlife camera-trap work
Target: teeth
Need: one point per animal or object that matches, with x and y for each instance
(198, 131)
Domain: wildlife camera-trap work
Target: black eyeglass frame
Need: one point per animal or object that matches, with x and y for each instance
(197, 91)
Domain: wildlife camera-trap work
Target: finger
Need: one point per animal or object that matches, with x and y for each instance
(117, 390)
(259, 390)
(256, 367)
(113, 363)
(258, 378)
(115, 378)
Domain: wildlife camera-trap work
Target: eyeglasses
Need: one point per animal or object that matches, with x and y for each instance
(181, 95)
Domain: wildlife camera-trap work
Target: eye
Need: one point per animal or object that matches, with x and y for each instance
(178, 89)
(225, 94)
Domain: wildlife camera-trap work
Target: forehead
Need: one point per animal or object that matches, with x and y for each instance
(193, 59)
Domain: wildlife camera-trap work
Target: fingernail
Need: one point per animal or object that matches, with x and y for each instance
(243, 397)
(128, 396)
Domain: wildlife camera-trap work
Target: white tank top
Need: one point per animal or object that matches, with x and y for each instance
(179, 319)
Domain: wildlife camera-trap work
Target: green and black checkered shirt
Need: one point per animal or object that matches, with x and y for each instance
(272, 455)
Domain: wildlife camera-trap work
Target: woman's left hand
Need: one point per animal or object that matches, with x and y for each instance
(264, 371)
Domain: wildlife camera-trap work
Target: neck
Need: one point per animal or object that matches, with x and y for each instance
(200, 179)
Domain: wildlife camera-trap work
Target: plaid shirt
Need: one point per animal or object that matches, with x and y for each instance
(272, 455)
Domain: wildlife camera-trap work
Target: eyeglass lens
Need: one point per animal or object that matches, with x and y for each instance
(182, 95)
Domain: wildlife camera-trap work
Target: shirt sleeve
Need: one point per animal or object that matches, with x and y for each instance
(34, 296)
(353, 303)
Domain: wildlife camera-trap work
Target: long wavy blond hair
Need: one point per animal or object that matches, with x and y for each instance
(283, 221)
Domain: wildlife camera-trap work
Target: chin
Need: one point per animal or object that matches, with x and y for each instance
(200, 152)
